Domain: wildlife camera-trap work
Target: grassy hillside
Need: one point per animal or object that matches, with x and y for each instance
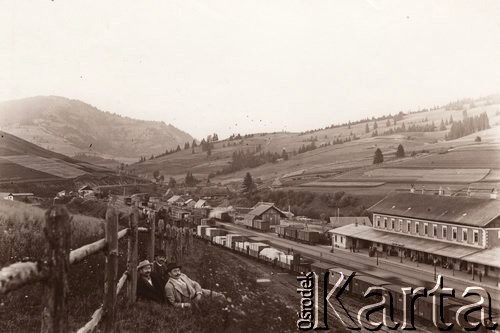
(353, 160)
(71, 126)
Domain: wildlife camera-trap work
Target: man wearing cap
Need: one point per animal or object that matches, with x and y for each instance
(180, 290)
(149, 287)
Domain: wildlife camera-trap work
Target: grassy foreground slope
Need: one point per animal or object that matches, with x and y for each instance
(253, 307)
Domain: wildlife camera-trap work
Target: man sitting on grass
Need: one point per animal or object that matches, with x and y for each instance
(149, 286)
(181, 291)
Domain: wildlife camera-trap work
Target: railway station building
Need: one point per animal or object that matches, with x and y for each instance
(458, 233)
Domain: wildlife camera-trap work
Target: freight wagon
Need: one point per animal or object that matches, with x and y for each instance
(209, 222)
(286, 261)
(335, 276)
(271, 255)
(280, 230)
(233, 238)
(291, 232)
(200, 230)
(220, 240)
(307, 236)
(210, 233)
(320, 268)
(298, 233)
(243, 247)
(255, 249)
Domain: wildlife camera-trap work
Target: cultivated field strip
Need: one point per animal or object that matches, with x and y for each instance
(53, 167)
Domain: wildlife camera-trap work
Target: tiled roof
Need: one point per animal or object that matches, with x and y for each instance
(460, 210)
(262, 208)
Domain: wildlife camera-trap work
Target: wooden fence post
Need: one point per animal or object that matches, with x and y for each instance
(132, 260)
(161, 234)
(111, 270)
(58, 233)
(151, 243)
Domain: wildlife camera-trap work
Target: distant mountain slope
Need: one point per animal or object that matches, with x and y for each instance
(26, 167)
(332, 158)
(71, 126)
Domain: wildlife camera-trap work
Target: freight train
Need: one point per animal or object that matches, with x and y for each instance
(257, 250)
(298, 234)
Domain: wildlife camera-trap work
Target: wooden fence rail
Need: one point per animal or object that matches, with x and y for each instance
(20, 274)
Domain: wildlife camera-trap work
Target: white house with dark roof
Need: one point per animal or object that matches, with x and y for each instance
(457, 231)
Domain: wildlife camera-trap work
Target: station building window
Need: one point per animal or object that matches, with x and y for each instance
(464, 235)
(454, 233)
(434, 230)
(445, 232)
(392, 224)
(408, 226)
(426, 229)
(476, 236)
(417, 229)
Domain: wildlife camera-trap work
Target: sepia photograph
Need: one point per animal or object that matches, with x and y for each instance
(230, 166)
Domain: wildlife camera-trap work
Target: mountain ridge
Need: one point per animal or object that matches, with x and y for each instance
(71, 126)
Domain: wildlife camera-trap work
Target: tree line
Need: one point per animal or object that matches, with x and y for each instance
(468, 126)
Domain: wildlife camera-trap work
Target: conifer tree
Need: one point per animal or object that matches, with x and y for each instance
(400, 152)
(378, 157)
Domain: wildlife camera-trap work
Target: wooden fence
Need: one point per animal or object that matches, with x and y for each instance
(53, 272)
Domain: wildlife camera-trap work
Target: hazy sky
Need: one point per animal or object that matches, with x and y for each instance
(250, 66)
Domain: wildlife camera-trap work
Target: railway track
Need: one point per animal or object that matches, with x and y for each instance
(354, 262)
(352, 304)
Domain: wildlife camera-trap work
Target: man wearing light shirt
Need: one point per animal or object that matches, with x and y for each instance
(181, 291)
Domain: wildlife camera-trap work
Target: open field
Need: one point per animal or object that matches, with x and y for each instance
(50, 166)
(343, 184)
(474, 158)
(426, 175)
(13, 172)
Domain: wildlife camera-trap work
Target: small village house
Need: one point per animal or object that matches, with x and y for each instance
(24, 197)
(85, 190)
(266, 211)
